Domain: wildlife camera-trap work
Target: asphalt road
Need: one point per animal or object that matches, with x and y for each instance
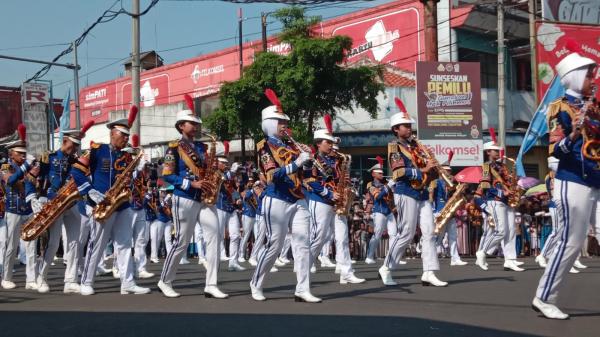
(476, 303)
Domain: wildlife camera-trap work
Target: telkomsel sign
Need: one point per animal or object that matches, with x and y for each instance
(449, 110)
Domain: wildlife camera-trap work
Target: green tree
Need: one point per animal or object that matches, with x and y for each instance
(310, 81)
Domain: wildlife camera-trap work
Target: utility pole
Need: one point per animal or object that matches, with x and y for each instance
(431, 41)
(241, 46)
(76, 88)
(501, 106)
(263, 25)
(532, 46)
(135, 66)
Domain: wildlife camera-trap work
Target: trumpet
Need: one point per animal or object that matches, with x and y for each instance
(428, 155)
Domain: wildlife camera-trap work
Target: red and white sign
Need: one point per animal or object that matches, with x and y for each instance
(35, 93)
(468, 152)
(551, 41)
(394, 37)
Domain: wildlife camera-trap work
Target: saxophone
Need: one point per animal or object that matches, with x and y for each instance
(516, 191)
(211, 173)
(455, 202)
(118, 194)
(65, 198)
(426, 154)
(344, 187)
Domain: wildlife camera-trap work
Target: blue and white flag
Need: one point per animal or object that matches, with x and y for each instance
(538, 126)
(65, 118)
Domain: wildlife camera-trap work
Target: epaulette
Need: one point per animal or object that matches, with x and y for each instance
(5, 167)
(369, 185)
(260, 145)
(557, 106)
(94, 145)
(45, 157)
(174, 143)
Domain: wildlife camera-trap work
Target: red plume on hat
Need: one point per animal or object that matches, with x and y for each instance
(313, 150)
(226, 146)
(573, 46)
(450, 155)
(86, 127)
(328, 123)
(22, 132)
(133, 111)
(189, 101)
(493, 135)
(272, 96)
(135, 141)
(400, 105)
(379, 161)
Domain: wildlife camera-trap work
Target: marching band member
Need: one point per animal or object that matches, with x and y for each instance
(104, 164)
(184, 160)
(284, 205)
(439, 194)
(260, 229)
(55, 170)
(250, 205)
(140, 220)
(157, 226)
(322, 195)
(383, 218)
(577, 180)
(2, 221)
(226, 210)
(411, 200)
(19, 175)
(492, 197)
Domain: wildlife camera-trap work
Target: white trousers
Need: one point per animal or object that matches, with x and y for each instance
(411, 212)
(248, 225)
(199, 241)
(279, 217)
(168, 236)
(2, 242)
(493, 236)
(509, 244)
(118, 228)
(71, 220)
(14, 223)
(186, 213)
(381, 222)
(260, 234)
(157, 229)
(452, 233)
(552, 239)
(576, 207)
(287, 244)
(232, 222)
(141, 234)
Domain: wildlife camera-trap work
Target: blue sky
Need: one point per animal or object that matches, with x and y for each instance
(170, 24)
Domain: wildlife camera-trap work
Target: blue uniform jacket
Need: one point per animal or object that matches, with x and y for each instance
(20, 188)
(105, 164)
(316, 185)
(404, 170)
(439, 195)
(176, 173)
(148, 204)
(248, 209)
(163, 216)
(55, 168)
(225, 199)
(491, 187)
(378, 192)
(573, 166)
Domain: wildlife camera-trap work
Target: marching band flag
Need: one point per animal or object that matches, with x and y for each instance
(65, 118)
(538, 126)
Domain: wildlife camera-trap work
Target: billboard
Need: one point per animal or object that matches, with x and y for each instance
(35, 98)
(449, 110)
(573, 11)
(551, 48)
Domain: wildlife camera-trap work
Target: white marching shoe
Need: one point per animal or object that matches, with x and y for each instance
(214, 292)
(541, 261)
(72, 288)
(86, 290)
(313, 269)
(481, 262)
(235, 267)
(579, 265)
(135, 289)
(351, 278)
(285, 260)
(386, 276)
(279, 263)
(252, 262)
(518, 263)
(154, 260)
(202, 261)
(184, 260)
(102, 271)
(167, 290)
(326, 262)
(115, 272)
(241, 259)
(273, 270)
(548, 310)
(8, 284)
(306, 297)
(510, 265)
(145, 274)
(402, 262)
(369, 261)
(31, 286)
(43, 286)
(574, 270)
(257, 294)
(458, 263)
(338, 269)
(429, 279)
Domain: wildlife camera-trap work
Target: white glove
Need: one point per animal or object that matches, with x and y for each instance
(29, 159)
(234, 167)
(391, 183)
(36, 205)
(96, 196)
(303, 157)
(141, 165)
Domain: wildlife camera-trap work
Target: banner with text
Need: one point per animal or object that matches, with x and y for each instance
(35, 116)
(449, 110)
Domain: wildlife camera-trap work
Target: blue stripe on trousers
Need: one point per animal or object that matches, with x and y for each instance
(263, 256)
(166, 266)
